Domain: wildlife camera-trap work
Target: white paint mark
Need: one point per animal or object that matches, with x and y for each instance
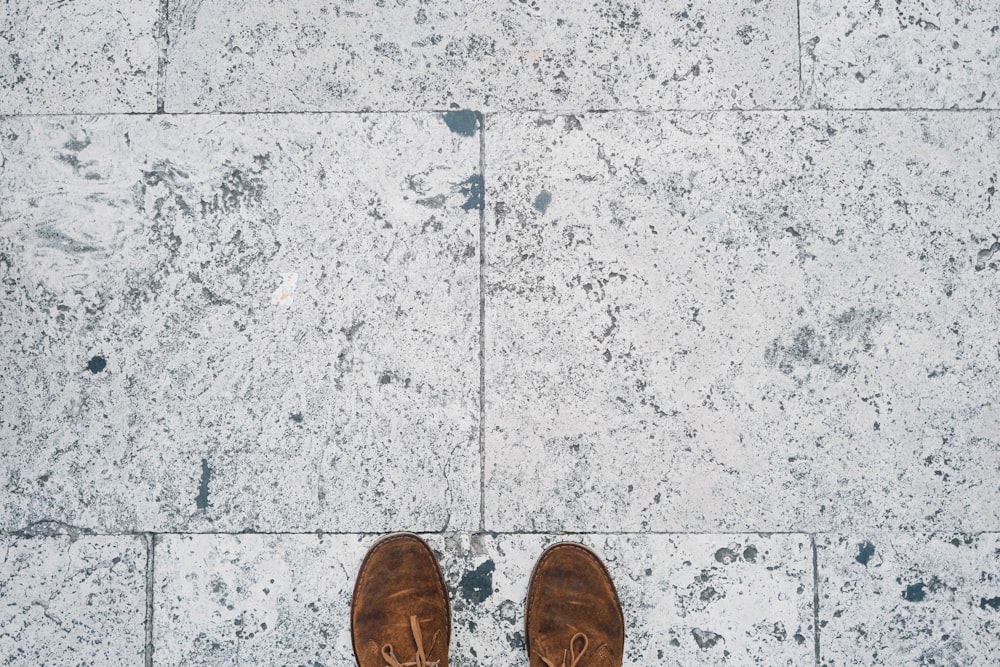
(286, 290)
(712, 219)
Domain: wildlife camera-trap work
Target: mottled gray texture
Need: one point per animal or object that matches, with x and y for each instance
(688, 599)
(742, 322)
(909, 599)
(309, 54)
(258, 322)
(254, 599)
(901, 53)
(268, 599)
(65, 56)
(707, 320)
(66, 601)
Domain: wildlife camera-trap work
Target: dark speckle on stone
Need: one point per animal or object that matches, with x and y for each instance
(542, 201)
(984, 256)
(865, 552)
(472, 189)
(201, 500)
(463, 122)
(296, 417)
(437, 201)
(745, 34)
(725, 556)
(805, 348)
(705, 638)
(750, 554)
(915, 592)
(477, 585)
(77, 143)
(96, 364)
(992, 603)
(352, 331)
(385, 378)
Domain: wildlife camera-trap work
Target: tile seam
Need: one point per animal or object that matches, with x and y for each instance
(481, 117)
(514, 112)
(815, 605)
(363, 533)
(163, 45)
(798, 42)
(150, 559)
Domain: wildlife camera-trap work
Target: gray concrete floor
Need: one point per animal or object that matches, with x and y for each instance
(710, 287)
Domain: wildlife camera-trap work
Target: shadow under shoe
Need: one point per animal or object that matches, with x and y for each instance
(400, 615)
(574, 617)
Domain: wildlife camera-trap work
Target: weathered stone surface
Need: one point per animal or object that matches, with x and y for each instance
(737, 329)
(311, 55)
(285, 599)
(252, 322)
(742, 321)
(909, 599)
(901, 54)
(90, 56)
(72, 601)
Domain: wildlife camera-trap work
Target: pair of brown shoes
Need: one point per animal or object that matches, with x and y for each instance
(400, 616)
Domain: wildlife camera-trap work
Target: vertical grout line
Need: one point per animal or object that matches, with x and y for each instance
(150, 546)
(812, 538)
(163, 42)
(482, 325)
(798, 41)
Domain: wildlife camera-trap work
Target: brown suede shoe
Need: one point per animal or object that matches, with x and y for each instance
(574, 618)
(400, 615)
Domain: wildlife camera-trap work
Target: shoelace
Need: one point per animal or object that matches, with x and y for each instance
(571, 653)
(421, 660)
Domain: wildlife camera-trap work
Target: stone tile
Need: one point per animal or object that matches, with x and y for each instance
(285, 599)
(902, 54)
(909, 599)
(253, 322)
(758, 322)
(94, 56)
(66, 601)
(688, 599)
(254, 599)
(309, 55)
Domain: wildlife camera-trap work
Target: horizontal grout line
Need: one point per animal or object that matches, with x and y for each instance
(555, 533)
(557, 112)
